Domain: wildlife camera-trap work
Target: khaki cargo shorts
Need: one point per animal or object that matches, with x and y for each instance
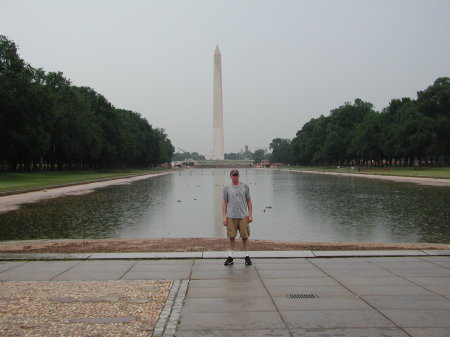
(238, 224)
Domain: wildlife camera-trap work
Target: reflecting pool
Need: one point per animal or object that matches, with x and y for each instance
(287, 206)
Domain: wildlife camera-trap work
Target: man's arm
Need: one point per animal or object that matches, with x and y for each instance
(224, 212)
(250, 210)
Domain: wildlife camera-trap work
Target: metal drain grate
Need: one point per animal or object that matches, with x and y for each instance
(294, 296)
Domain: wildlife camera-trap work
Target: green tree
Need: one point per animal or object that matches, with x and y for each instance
(434, 103)
(258, 156)
(339, 132)
(165, 147)
(307, 146)
(281, 151)
(47, 122)
(23, 110)
(365, 140)
(415, 135)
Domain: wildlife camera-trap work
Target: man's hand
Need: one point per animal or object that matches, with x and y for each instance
(250, 218)
(225, 221)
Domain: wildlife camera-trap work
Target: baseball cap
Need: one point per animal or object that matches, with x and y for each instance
(234, 172)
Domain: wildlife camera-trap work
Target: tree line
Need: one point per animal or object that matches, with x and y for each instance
(47, 123)
(407, 132)
(181, 156)
(257, 156)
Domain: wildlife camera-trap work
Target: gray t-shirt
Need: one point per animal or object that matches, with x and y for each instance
(237, 197)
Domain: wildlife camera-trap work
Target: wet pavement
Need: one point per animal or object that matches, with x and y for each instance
(358, 293)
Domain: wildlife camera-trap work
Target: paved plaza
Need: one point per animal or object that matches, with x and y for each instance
(364, 293)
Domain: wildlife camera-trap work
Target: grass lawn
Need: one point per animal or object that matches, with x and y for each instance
(20, 181)
(427, 172)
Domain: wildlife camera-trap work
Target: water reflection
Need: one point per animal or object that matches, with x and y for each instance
(219, 182)
(357, 209)
(288, 206)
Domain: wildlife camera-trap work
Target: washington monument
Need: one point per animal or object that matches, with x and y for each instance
(218, 153)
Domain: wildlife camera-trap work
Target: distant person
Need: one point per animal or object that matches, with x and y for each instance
(237, 214)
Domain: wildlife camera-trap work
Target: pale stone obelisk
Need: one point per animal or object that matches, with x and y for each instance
(218, 153)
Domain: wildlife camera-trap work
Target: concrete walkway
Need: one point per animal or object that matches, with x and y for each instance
(359, 293)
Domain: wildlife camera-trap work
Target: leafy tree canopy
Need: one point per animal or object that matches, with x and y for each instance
(406, 132)
(47, 123)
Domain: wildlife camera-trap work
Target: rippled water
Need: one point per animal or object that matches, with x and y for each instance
(288, 206)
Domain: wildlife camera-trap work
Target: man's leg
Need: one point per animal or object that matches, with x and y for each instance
(231, 233)
(231, 244)
(248, 261)
(245, 244)
(245, 233)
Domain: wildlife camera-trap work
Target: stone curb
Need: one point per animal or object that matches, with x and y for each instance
(168, 319)
(221, 254)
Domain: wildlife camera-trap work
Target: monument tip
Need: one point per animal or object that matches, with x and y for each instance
(217, 52)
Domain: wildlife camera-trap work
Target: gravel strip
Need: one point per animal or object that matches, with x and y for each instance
(90, 246)
(94, 308)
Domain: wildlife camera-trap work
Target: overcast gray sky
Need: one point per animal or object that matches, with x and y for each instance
(283, 62)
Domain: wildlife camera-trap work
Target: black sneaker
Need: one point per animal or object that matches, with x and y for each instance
(248, 262)
(229, 261)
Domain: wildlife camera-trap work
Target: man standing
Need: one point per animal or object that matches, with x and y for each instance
(237, 214)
